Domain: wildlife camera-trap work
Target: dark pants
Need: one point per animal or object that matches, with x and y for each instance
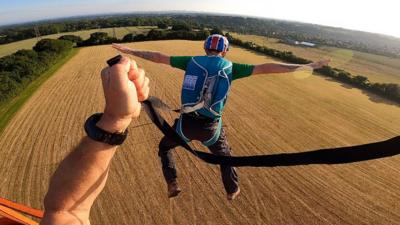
(201, 129)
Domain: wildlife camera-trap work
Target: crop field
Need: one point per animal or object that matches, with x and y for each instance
(377, 68)
(120, 32)
(270, 114)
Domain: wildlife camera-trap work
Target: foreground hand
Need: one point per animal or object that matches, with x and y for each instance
(125, 86)
(319, 64)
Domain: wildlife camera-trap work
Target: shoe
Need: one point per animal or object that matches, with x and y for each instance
(173, 189)
(233, 195)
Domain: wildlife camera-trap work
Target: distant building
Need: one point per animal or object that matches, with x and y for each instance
(308, 44)
(294, 42)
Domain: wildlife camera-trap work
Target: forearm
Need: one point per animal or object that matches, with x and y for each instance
(156, 57)
(77, 182)
(276, 68)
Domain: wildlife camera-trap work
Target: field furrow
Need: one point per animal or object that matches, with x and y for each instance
(265, 115)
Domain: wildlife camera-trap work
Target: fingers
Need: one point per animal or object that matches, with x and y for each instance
(324, 62)
(132, 74)
(118, 76)
(137, 111)
(121, 48)
(105, 78)
(105, 74)
(327, 61)
(137, 76)
(319, 64)
(141, 82)
(143, 92)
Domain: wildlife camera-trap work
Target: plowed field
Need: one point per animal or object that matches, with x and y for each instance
(265, 115)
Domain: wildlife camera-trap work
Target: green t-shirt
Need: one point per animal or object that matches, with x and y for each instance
(238, 70)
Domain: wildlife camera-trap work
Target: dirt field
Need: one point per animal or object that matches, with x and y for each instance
(265, 115)
(120, 32)
(377, 68)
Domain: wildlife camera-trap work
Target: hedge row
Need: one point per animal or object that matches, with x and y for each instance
(101, 38)
(24, 66)
(387, 90)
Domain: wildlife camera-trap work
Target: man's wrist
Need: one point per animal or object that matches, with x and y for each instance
(112, 124)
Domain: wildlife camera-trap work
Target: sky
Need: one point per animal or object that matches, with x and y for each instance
(366, 15)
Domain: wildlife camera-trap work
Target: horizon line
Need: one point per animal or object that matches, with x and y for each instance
(182, 12)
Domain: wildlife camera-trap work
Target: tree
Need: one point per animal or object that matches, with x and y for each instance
(19, 69)
(72, 38)
(52, 45)
(392, 90)
(128, 38)
(360, 81)
(8, 86)
(156, 34)
(202, 34)
(140, 37)
(181, 26)
(98, 38)
(217, 30)
(162, 25)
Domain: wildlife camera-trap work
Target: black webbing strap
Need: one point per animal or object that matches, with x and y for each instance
(350, 154)
(340, 155)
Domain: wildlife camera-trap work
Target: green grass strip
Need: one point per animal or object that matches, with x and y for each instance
(9, 108)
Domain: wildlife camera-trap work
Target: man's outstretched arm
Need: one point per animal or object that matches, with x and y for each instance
(286, 68)
(82, 175)
(156, 57)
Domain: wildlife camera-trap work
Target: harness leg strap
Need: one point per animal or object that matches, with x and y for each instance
(214, 139)
(180, 131)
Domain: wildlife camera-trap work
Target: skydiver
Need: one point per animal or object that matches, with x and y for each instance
(203, 96)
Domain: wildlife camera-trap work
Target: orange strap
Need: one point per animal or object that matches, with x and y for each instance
(21, 208)
(15, 216)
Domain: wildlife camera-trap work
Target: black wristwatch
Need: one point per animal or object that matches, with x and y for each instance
(98, 134)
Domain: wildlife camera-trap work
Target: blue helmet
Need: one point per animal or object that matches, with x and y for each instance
(217, 42)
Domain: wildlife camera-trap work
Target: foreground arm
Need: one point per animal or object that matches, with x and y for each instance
(82, 175)
(156, 57)
(286, 68)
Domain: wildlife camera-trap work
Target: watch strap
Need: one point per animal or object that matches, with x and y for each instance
(96, 133)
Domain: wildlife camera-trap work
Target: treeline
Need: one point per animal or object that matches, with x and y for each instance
(387, 90)
(283, 55)
(280, 29)
(24, 66)
(186, 32)
(178, 31)
(19, 69)
(356, 40)
(26, 31)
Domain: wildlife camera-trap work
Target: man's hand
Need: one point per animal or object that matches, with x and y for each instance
(156, 57)
(82, 175)
(122, 48)
(125, 86)
(319, 64)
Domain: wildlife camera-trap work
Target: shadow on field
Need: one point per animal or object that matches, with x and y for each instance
(372, 96)
(378, 99)
(347, 86)
(339, 155)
